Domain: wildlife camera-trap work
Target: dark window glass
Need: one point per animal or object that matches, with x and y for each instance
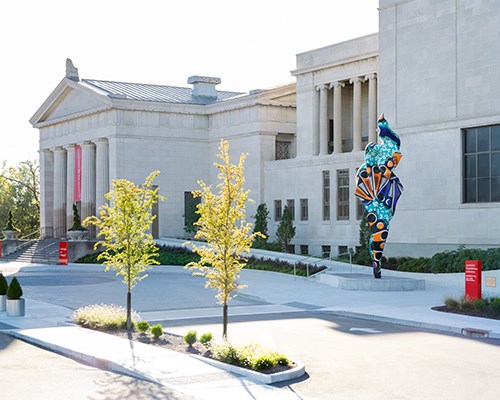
(470, 190)
(483, 189)
(495, 188)
(495, 137)
(470, 141)
(483, 165)
(495, 164)
(470, 166)
(483, 139)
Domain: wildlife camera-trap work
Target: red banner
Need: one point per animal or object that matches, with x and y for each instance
(78, 175)
(63, 253)
(473, 269)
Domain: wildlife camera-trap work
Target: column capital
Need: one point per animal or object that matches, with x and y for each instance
(102, 140)
(337, 84)
(357, 79)
(323, 86)
(87, 143)
(59, 149)
(371, 76)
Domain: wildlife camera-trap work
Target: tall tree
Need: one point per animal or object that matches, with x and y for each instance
(125, 225)
(20, 193)
(223, 226)
(261, 217)
(286, 230)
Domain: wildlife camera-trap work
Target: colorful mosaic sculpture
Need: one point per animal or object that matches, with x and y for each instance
(379, 189)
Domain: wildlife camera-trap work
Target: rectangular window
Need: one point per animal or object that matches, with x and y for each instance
(277, 210)
(343, 194)
(326, 251)
(481, 164)
(360, 209)
(290, 248)
(326, 195)
(342, 250)
(290, 203)
(190, 208)
(304, 209)
(283, 150)
(304, 249)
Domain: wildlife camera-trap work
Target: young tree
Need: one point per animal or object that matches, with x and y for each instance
(223, 226)
(261, 217)
(286, 230)
(124, 224)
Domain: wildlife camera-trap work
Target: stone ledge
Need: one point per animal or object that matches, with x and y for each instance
(358, 281)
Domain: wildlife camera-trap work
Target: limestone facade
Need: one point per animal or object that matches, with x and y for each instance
(431, 69)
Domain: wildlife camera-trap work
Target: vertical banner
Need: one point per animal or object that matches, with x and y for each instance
(473, 269)
(63, 253)
(78, 175)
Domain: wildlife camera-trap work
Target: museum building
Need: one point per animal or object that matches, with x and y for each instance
(432, 69)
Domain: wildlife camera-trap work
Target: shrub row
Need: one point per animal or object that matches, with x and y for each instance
(489, 305)
(103, 317)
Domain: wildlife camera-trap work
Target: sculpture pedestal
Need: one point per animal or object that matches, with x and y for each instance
(360, 281)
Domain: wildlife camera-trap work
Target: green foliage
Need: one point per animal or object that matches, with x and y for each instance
(77, 224)
(14, 291)
(251, 356)
(157, 331)
(282, 266)
(143, 326)
(103, 316)
(420, 264)
(20, 193)
(480, 304)
(190, 338)
(206, 339)
(222, 224)
(124, 225)
(173, 255)
(191, 216)
(261, 217)
(286, 231)
(495, 305)
(10, 224)
(486, 307)
(4, 286)
(451, 302)
(465, 303)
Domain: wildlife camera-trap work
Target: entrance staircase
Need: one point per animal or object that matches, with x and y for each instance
(44, 251)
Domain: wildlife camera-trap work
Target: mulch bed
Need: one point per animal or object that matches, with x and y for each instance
(471, 312)
(176, 343)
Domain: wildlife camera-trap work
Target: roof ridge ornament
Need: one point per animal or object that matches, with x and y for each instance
(71, 71)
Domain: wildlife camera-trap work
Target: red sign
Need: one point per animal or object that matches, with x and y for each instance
(63, 253)
(77, 183)
(473, 269)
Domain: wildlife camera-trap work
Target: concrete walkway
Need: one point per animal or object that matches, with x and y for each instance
(48, 326)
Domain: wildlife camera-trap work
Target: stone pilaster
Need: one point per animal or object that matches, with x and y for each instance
(372, 107)
(102, 172)
(323, 119)
(59, 214)
(46, 193)
(356, 114)
(88, 183)
(70, 185)
(337, 116)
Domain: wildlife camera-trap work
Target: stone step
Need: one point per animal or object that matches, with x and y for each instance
(360, 281)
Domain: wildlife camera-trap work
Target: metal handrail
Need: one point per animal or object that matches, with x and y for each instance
(37, 232)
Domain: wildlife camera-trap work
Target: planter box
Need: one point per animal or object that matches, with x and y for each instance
(3, 299)
(7, 234)
(15, 307)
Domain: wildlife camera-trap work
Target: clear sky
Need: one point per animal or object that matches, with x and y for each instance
(248, 44)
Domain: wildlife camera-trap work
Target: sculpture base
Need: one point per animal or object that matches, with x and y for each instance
(360, 281)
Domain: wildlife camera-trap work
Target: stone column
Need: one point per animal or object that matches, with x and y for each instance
(356, 113)
(88, 183)
(59, 214)
(46, 193)
(337, 116)
(372, 107)
(70, 185)
(102, 172)
(323, 119)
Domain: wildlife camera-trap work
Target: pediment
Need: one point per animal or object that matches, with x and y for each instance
(68, 100)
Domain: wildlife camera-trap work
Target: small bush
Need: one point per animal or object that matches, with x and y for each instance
(206, 339)
(103, 316)
(262, 363)
(451, 302)
(282, 360)
(14, 291)
(4, 286)
(480, 304)
(465, 303)
(495, 305)
(227, 353)
(157, 331)
(143, 326)
(190, 338)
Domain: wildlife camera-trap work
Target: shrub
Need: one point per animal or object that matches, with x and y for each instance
(480, 304)
(263, 362)
(4, 286)
(206, 339)
(227, 353)
(143, 326)
(190, 338)
(495, 305)
(451, 302)
(14, 291)
(157, 331)
(103, 316)
(465, 303)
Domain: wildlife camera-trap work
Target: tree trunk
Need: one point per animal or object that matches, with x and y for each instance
(224, 322)
(129, 311)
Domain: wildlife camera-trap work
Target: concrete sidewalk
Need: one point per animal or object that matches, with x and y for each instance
(46, 325)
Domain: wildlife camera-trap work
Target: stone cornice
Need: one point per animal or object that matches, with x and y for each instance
(71, 117)
(336, 63)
